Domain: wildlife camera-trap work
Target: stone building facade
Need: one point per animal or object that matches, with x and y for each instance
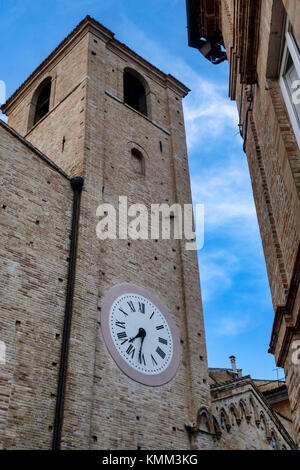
(78, 136)
(89, 131)
(262, 40)
(242, 416)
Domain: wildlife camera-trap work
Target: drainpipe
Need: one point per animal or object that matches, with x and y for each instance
(77, 185)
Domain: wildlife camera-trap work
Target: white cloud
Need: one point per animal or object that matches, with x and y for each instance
(217, 270)
(225, 191)
(223, 186)
(231, 326)
(208, 112)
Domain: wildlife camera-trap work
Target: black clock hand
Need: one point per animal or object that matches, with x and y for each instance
(137, 336)
(141, 333)
(140, 352)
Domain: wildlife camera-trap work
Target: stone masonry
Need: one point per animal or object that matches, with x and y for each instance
(103, 408)
(253, 34)
(36, 203)
(89, 131)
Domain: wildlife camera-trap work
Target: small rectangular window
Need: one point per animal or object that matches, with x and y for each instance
(290, 78)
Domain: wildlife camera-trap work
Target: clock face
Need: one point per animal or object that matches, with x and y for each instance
(140, 334)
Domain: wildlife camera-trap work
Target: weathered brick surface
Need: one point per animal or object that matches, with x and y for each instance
(250, 429)
(36, 203)
(103, 408)
(68, 72)
(239, 418)
(274, 163)
(102, 404)
(112, 130)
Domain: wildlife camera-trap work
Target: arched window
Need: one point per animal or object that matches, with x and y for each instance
(232, 416)
(135, 92)
(255, 411)
(264, 426)
(222, 421)
(137, 161)
(244, 411)
(203, 423)
(273, 441)
(40, 102)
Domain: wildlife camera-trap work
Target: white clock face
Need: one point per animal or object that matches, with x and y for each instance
(141, 334)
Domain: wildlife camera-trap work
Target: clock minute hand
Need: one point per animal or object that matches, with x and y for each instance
(142, 341)
(140, 351)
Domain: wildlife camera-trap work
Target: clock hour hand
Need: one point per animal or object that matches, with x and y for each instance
(141, 334)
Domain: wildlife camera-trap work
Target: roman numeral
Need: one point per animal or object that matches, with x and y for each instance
(120, 324)
(130, 351)
(142, 359)
(141, 307)
(160, 352)
(130, 303)
(151, 316)
(153, 361)
(126, 314)
(160, 327)
(162, 340)
(122, 335)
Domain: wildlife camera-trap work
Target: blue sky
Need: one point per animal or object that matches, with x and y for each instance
(236, 297)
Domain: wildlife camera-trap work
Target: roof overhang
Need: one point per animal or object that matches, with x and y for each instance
(248, 29)
(203, 20)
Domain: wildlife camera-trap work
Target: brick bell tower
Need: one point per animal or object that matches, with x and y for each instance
(100, 111)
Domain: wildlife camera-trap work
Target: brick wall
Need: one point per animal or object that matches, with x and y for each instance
(68, 72)
(122, 413)
(103, 408)
(35, 211)
(273, 158)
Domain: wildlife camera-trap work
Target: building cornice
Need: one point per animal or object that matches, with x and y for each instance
(203, 18)
(287, 321)
(205, 21)
(230, 384)
(247, 30)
